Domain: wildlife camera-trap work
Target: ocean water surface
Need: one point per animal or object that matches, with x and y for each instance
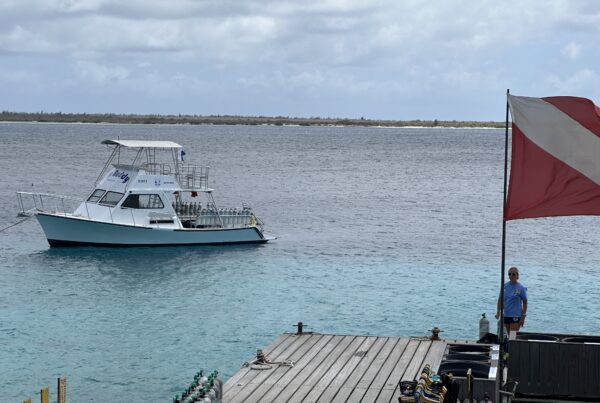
(380, 232)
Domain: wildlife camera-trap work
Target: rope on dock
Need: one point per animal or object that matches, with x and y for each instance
(268, 364)
(17, 223)
(261, 362)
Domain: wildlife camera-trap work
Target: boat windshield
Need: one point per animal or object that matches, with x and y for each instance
(96, 196)
(111, 198)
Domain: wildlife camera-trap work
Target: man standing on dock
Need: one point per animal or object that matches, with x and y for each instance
(515, 302)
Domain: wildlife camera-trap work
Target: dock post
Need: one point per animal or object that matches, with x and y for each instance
(470, 385)
(44, 395)
(62, 390)
(299, 331)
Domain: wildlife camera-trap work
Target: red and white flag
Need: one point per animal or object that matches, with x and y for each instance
(555, 167)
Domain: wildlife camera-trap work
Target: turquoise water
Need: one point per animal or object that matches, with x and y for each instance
(380, 232)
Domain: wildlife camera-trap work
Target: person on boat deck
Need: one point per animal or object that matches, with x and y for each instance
(515, 302)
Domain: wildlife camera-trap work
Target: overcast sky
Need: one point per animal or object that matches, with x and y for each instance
(378, 59)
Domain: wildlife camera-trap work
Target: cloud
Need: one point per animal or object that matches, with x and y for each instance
(572, 50)
(100, 74)
(327, 32)
(10, 76)
(22, 40)
(325, 54)
(580, 83)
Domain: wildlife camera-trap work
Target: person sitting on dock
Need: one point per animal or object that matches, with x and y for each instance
(515, 302)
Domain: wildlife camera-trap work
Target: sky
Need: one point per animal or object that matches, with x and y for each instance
(377, 59)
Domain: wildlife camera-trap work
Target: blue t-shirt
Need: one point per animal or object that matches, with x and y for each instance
(513, 295)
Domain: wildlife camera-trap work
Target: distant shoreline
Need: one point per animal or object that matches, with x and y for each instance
(59, 117)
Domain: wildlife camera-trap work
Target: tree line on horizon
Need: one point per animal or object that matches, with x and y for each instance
(59, 117)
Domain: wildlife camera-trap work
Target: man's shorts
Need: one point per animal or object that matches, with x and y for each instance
(511, 319)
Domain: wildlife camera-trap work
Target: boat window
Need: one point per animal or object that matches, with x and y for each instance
(111, 198)
(146, 201)
(132, 201)
(96, 196)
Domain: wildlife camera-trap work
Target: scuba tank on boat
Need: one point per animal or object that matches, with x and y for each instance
(484, 326)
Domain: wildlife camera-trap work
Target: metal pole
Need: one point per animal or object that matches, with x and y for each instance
(62, 390)
(112, 156)
(503, 260)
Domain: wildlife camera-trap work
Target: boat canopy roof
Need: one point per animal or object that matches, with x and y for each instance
(142, 143)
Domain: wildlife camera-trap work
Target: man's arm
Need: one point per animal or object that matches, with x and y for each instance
(524, 312)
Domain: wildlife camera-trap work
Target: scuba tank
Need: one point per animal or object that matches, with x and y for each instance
(484, 326)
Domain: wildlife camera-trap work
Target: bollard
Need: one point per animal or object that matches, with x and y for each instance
(300, 328)
(435, 333)
(62, 390)
(44, 395)
(260, 357)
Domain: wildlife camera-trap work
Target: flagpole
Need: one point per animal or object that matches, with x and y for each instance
(503, 260)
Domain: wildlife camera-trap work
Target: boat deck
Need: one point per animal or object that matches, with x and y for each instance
(334, 368)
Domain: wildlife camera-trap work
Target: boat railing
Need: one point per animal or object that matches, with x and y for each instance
(222, 218)
(157, 168)
(30, 203)
(189, 176)
(192, 176)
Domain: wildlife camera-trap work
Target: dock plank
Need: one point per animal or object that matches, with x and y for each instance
(266, 378)
(434, 355)
(391, 392)
(246, 374)
(238, 375)
(334, 368)
(300, 393)
(350, 383)
(315, 391)
(298, 358)
(416, 364)
(296, 376)
(369, 376)
(385, 372)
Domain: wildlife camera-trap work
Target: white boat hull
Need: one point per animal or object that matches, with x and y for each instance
(64, 230)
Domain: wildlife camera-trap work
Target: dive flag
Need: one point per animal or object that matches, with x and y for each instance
(555, 167)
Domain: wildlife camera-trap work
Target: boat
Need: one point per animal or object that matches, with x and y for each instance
(147, 194)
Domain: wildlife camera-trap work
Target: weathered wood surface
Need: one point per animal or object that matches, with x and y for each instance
(334, 368)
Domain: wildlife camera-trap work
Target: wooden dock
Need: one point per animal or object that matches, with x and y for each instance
(333, 368)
